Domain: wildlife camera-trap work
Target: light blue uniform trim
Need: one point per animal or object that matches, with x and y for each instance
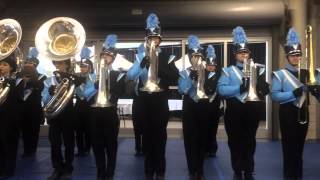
(281, 90)
(185, 85)
(45, 92)
(184, 82)
(136, 71)
(86, 90)
(229, 83)
(318, 75)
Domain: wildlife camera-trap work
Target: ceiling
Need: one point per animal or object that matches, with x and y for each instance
(124, 15)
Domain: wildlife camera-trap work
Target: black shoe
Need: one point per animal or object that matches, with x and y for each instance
(237, 176)
(28, 155)
(81, 154)
(211, 154)
(5, 176)
(138, 154)
(192, 176)
(66, 176)
(56, 175)
(100, 178)
(159, 177)
(200, 177)
(148, 176)
(109, 178)
(248, 176)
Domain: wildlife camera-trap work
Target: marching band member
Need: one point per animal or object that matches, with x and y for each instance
(104, 118)
(136, 106)
(61, 127)
(10, 117)
(82, 107)
(241, 117)
(32, 113)
(196, 105)
(154, 102)
(214, 104)
(293, 110)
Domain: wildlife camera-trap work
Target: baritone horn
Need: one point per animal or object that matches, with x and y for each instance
(200, 66)
(250, 72)
(152, 82)
(60, 39)
(10, 36)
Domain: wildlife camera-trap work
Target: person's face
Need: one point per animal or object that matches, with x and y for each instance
(61, 66)
(195, 60)
(107, 58)
(29, 65)
(84, 69)
(156, 40)
(294, 60)
(5, 68)
(211, 68)
(241, 56)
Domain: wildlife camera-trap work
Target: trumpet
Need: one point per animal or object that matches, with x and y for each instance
(59, 39)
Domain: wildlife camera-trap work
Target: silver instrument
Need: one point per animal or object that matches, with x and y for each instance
(200, 66)
(103, 94)
(250, 72)
(152, 83)
(59, 39)
(4, 90)
(10, 36)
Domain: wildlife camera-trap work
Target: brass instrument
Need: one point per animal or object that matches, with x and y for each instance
(103, 94)
(4, 90)
(60, 39)
(200, 66)
(250, 72)
(151, 85)
(10, 36)
(310, 66)
(309, 56)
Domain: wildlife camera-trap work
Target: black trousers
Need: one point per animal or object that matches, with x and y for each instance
(9, 135)
(61, 130)
(293, 137)
(30, 127)
(195, 132)
(155, 117)
(83, 135)
(105, 129)
(241, 123)
(137, 124)
(214, 114)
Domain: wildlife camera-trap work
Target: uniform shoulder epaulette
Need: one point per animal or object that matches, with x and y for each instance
(225, 71)
(277, 74)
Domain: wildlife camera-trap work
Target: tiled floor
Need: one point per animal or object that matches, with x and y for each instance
(268, 163)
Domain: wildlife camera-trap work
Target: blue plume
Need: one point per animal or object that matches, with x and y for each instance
(141, 48)
(211, 52)
(239, 36)
(85, 53)
(110, 41)
(292, 37)
(193, 42)
(152, 21)
(33, 52)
